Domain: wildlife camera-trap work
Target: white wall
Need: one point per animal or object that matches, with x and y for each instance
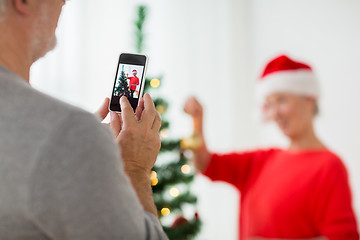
(215, 50)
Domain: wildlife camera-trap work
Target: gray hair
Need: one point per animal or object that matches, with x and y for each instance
(2, 5)
(2, 9)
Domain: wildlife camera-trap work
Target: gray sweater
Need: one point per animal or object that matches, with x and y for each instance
(61, 176)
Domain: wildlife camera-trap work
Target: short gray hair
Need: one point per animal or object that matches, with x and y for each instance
(2, 5)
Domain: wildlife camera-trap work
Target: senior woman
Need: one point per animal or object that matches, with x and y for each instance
(301, 192)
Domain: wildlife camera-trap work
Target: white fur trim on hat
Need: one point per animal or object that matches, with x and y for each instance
(300, 82)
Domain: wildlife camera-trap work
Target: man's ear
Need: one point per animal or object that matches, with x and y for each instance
(22, 7)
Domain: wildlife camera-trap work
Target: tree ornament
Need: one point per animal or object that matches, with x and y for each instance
(192, 143)
(180, 221)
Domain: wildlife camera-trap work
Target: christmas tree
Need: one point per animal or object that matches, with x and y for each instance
(122, 87)
(172, 175)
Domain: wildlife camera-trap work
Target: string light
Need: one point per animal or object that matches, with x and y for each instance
(186, 169)
(153, 178)
(155, 83)
(154, 182)
(174, 192)
(165, 211)
(164, 133)
(161, 109)
(153, 175)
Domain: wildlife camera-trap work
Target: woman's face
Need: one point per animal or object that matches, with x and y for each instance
(292, 113)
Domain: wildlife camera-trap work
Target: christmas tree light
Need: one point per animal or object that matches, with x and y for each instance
(165, 211)
(155, 83)
(186, 169)
(174, 192)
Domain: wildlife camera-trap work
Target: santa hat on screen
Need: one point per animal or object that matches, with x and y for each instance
(134, 71)
(285, 75)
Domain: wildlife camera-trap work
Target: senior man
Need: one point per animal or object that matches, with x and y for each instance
(62, 175)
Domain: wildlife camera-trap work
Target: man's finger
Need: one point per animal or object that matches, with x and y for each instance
(115, 123)
(139, 109)
(157, 123)
(149, 113)
(127, 112)
(103, 111)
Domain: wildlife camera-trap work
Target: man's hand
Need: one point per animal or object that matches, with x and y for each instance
(138, 138)
(137, 134)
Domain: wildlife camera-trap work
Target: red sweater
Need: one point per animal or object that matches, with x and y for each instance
(134, 81)
(289, 195)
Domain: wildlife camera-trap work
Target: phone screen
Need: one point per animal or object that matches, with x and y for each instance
(129, 80)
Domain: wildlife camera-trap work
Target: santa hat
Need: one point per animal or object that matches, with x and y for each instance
(285, 75)
(134, 71)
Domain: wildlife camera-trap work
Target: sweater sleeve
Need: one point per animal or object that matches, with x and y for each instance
(237, 169)
(79, 189)
(334, 212)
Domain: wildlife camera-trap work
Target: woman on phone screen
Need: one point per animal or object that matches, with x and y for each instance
(301, 192)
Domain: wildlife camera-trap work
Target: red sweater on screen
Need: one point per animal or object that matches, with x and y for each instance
(289, 195)
(134, 81)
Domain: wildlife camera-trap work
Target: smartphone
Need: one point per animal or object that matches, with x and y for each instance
(129, 80)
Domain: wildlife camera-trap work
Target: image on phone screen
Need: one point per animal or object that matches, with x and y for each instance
(128, 80)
